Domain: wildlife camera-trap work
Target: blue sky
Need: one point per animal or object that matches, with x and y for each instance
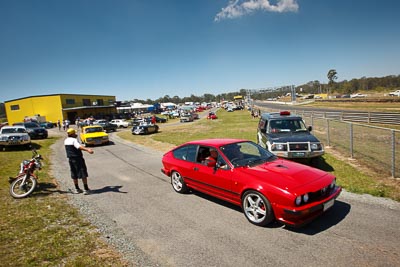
(146, 49)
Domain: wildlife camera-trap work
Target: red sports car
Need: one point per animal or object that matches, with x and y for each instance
(247, 175)
(211, 116)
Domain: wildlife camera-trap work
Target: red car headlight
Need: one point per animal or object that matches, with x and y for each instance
(298, 201)
(333, 184)
(305, 198)
(302, 199)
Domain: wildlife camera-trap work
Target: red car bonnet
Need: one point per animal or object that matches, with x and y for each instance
(289, 175)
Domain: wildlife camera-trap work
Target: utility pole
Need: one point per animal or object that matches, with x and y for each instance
(293, 93)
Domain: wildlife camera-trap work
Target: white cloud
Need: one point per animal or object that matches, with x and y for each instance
(238, 8)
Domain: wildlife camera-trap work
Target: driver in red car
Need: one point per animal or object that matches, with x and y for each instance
(233, 152)
(211, 160)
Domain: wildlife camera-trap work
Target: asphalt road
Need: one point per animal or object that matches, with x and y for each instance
(133, 202)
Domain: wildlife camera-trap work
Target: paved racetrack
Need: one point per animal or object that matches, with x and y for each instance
(136, 209)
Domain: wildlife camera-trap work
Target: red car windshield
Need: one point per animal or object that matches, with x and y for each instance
(246, 154)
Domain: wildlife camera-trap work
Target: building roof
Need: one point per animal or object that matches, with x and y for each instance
(54, 95)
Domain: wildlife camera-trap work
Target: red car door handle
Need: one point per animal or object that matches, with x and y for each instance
(195, 169)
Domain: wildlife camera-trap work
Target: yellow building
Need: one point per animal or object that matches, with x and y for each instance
(59, 107)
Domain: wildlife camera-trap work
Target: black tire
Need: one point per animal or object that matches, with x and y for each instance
(256, 208)
(177, 182)
(17, 190)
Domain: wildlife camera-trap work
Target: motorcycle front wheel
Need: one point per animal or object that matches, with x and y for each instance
(19, 190)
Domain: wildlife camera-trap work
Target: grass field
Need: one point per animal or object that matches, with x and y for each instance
(43, 229)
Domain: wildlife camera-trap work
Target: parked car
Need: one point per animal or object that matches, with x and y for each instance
(211, 116)
(286, 136)
(158, 119)
(395, 93)
(107, 126)
(186, 117)
(357, 95)
(171, 114)
(47, 125)
(200, 108)
(174, 114)
(34, 130)
(138, 121)
(195, 116)
(99, 121)
(145, 128)
(93, 135)
(121, 123)
(12, 136)
(245, 174)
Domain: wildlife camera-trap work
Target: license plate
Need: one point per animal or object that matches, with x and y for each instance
(97, 142)
(298, 154)
(329, 204)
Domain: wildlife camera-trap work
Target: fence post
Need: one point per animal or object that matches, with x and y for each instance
(328, 133)
(351, 140)
(393, 154)
(312, 121)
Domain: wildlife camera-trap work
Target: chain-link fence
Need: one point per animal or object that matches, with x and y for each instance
(376, 147)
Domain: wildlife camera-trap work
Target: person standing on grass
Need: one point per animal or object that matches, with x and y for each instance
(76, 161)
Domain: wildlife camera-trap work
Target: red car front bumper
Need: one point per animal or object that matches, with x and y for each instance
(299, 216)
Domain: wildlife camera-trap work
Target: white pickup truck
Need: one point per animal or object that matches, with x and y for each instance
(395, 93)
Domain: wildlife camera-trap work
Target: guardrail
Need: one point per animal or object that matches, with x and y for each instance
(365, 117)
(347, 132)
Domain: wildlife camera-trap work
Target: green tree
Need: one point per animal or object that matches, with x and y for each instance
(332, 76)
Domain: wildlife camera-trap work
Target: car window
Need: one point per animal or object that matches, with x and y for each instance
(31, 125)
(13, 130)
(203, 153)
(94, 130)
(276, 126)
(261, 124)
(8, 130)
(246, 153)
(222, 163)
(187, 153)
